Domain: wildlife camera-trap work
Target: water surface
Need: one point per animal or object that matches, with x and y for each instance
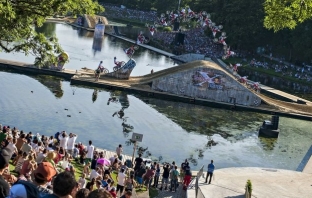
(172, 130)
(78, 44)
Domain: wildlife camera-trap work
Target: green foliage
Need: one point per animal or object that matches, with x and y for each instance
(286, 14)
(167, 29)
(18, 18)
(249, 187)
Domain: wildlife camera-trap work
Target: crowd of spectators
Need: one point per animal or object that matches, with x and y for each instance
(195, 41)
(46, 167)
(303, 72)
(114, 11)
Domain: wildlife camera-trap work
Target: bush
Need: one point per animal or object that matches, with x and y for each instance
(167, 29)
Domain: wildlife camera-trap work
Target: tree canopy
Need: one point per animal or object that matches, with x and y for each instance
(19, 17)
(280, 14)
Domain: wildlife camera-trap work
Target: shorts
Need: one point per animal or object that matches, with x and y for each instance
(139, 180)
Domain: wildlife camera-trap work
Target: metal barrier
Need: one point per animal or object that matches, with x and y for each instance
(200, 194)
(199, 174)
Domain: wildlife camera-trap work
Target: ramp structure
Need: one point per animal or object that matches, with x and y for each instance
(124, 72)
(206, 81)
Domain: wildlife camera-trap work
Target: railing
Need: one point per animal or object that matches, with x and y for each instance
(198, 193)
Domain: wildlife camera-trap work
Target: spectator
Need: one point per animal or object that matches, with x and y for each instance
(64, 185)
(20, 162)
(82, 193)
(99, 193)
(41, 156)
(156, 177)
(90, 185)
(210, 170)
(139, 175)
(148, 177)
(138, 162)
(128, 194)
(27, 147)
(121, 181)
(130, 183)
(24, 189)
(71, 143)
(174, 174)
(20, 141)
(188, 175)
(165, 177)
(90, 149)
(42, 176)
(82, 181)
(119, 151)
(75, 152)
(94, 173)
(4, 164)
(113, 192)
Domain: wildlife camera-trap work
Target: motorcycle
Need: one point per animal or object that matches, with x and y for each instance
(119, 64)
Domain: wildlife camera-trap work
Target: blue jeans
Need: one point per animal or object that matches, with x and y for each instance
(174, 182)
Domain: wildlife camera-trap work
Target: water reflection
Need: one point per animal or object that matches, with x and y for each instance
(48, 29)
(94, 95)
(268, 144)
(54, 84)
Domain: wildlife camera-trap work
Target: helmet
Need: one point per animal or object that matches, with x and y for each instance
(101, 62)
(115, 57)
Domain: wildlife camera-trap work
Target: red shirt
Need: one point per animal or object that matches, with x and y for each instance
(113, 193)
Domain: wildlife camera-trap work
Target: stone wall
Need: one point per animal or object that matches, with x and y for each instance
(207, 83)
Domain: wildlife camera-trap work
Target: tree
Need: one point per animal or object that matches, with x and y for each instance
(19, 17)
(280, 14)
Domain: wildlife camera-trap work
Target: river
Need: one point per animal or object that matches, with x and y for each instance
(172, 130)
(78, 44)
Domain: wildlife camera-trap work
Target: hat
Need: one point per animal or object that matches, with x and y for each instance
(5, 157)
(45, 171)
(24, 189)
(113, 189)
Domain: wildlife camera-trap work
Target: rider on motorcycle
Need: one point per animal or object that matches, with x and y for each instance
(130, 50)
(117, 63)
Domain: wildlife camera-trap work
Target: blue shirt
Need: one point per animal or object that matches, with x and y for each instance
(211, 168)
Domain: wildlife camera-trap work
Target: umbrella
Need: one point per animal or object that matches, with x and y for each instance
(103, 161)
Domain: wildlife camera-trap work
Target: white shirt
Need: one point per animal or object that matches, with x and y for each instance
(40, 157)
(90, 149)
(82, 182)
(11, 147)
(63, 141)
(94, 174)
(121, 178)
(71, 142)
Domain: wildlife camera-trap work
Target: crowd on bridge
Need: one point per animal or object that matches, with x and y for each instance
(34, 165)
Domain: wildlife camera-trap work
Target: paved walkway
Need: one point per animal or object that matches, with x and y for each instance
(266, 183)
(168, 194)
